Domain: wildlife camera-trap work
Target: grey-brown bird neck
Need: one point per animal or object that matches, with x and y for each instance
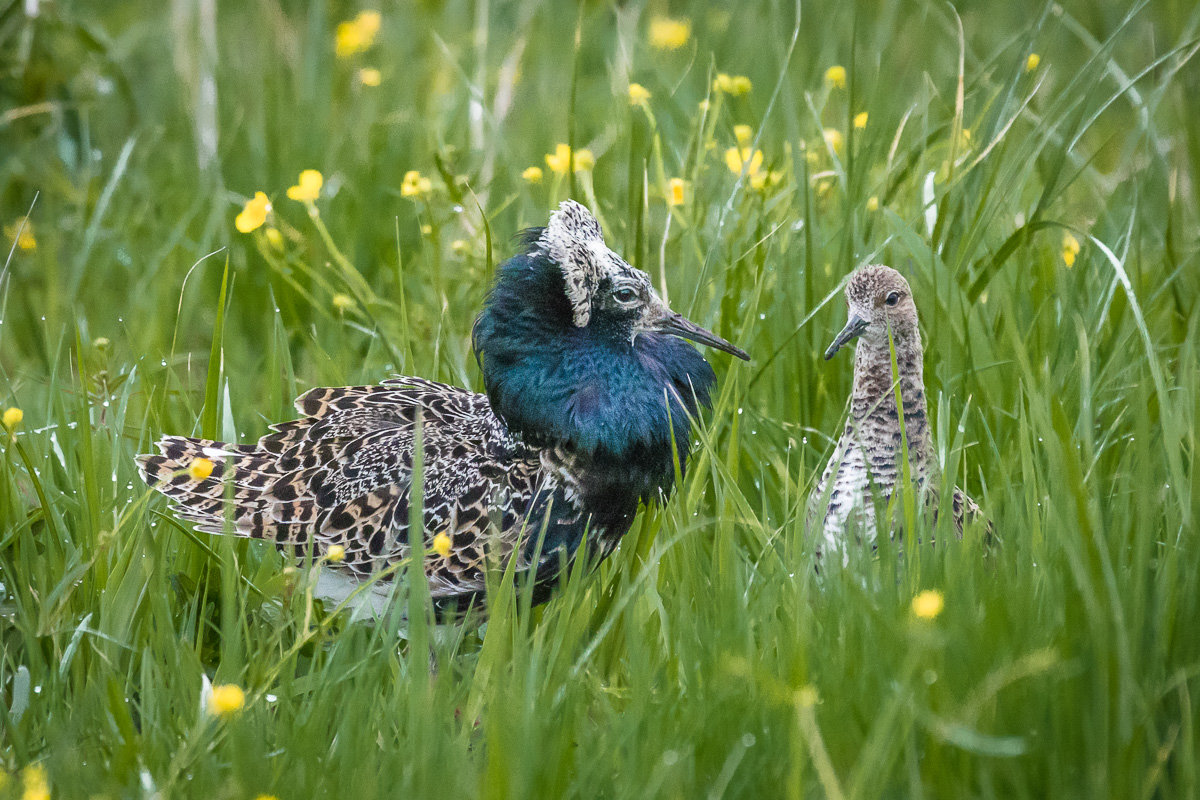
(873, 405)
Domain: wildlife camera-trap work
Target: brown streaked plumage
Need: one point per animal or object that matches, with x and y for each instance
(865, 466)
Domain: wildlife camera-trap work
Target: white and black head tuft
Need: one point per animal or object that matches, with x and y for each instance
(574, 242)
(600, 285)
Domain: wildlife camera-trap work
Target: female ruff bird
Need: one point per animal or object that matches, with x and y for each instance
(865, 466)
(590, 393)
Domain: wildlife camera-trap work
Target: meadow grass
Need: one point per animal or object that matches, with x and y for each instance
(707, 658)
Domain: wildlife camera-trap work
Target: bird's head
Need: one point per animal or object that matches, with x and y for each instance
(576, 345)
(878, 299)
(605, 292)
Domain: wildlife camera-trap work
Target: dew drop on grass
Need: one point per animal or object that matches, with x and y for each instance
(105, 404)
(163, 362)
(739, 412)
(762, 316)
(930, 677)
(670, 758)
(748, 740)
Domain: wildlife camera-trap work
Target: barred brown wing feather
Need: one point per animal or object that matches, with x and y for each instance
(342, 475)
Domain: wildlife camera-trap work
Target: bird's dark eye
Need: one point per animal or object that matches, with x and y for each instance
(625, 294)
(892, 298)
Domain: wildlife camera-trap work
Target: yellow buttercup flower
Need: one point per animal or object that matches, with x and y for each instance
(21, 231)
(739, 158)
(638, 94)
(309, 187)
(833, 138)
(369, 76)
(226, 699)
(584, 160)
(676, 188)
(1032, 62)
(253, 214)
(342, 302)
(369, 22)
(358, 34)
(743, 134)
(266, 797)
(872, 203)
(275, 238)
(761, 180)
(460, 247)
(441, 544)
(560, 160)
(335, 553)
(860, 120)
(835, 77)
(928, 604)
(1070, 249)
(12, 418)
(669, 34)
(200, 468)
(807, 697)
(732, 85)
(415, 185)
(532, 174)
(37, 785)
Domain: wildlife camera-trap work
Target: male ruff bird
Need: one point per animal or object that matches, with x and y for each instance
(590, 394)
(866, 465)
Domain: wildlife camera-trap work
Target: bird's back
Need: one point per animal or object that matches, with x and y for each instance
(343, 474)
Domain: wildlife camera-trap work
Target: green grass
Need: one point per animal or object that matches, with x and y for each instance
(1066, 400)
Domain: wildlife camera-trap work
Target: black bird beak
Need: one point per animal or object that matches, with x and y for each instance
(854, 328)
(679, 325)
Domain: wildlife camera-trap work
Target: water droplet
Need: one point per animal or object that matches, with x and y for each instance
(739, 411)
(43, 317)
(762, 316)
(105, 404)
(163, 362)
(930, 677)
(748, 740)
(803, 440)
(670, 758)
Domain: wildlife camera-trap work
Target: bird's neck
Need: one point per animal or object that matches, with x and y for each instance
(873, 404)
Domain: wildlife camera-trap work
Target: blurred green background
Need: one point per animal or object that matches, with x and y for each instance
(1031, 167)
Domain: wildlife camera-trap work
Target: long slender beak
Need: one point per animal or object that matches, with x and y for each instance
(679, 325)
(854, 328)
